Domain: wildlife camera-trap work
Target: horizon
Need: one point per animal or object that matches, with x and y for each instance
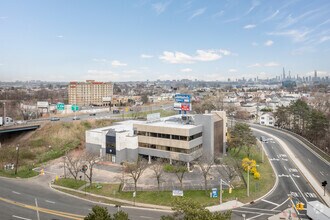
(124, 41)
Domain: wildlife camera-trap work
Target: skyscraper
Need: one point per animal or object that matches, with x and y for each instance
(283, 74)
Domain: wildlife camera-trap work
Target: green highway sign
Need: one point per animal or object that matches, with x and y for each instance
(60, 106)
(75, 108)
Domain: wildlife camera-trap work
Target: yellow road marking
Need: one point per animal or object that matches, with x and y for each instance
(44, 210)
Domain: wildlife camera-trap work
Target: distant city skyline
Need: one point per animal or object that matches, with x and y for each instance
(150, 40)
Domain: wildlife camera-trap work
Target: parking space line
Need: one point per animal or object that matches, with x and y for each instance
(273, 203)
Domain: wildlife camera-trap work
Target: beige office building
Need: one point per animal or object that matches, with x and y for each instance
(90, 93)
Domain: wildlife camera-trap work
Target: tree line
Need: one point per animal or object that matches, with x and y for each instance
(309, 122)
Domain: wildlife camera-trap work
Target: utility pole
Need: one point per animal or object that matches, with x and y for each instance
(17, 154)
(4, 113)
(220, 193)
(248, 182)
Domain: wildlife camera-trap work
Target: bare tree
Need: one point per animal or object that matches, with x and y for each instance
(178, 169)
(73, 164)
(158, 168)
(91, 159)
(135, 170)
(228, 170)
(205, 164)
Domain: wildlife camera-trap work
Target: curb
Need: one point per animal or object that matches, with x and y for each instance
(138, 206)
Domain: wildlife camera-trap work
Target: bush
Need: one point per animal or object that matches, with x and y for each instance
(256, 175)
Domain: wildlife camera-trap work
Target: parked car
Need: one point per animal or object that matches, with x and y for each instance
(92, 114)
(54, 118)
(116, 111)
(75, 118)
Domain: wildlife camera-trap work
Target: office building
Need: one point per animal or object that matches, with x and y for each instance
(90, 93)
(182, 138)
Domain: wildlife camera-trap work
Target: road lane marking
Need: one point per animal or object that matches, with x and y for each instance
(281, 204)
(38, 217)
(321, 173)
(293, 170)
(309, 160)
(44, 210)
(19, 217)
(50, 201)
(285, 168)
(295, 176)
(273, 203)
(283, 175)
(255, 217)
(311, 195)
(16, 192)
(267, 210)
(298, 188)
(252, 212)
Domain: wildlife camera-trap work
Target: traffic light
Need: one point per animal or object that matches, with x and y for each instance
(324, 183)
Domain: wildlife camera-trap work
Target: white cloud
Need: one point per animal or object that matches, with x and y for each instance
(186, 70)
(176, 57)
(201, 55)
(254, 65)
(271, 16)
(250, 26)
(255, 3)
(294, 34)
(60, 36)
(324, 38)
(254, 44)
(116, 63)
(198, 12)
(269, 43)
(232, 70)
(160, 7)
(271, 64)
(218, 14)
(100, 60)
(146, 56)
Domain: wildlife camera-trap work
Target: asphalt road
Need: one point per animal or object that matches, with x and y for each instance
(290, 182)
(18, 200)
(317, 166)
(105, 115)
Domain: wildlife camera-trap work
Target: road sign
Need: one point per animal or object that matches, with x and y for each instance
(60, 106)
(74, 108)
(176, 192)
(214, 193)
(84, 168)
(182, 98)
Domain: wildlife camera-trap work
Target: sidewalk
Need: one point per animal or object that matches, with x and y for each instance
(285, 214)
(225, 206)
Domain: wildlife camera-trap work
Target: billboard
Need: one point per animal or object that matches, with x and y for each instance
(42, 104)
(106, 99)
(177, 106)
(153, 117)
(182, 98)
(185, 106)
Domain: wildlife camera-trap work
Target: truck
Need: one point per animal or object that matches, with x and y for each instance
(6, 121)
(318, 211)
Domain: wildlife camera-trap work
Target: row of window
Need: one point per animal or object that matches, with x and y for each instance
(171, 149)
(169, 136)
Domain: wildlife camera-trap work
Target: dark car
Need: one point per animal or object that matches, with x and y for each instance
(115, 111)
(92, 114)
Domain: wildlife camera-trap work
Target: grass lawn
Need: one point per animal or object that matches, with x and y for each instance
(70, 183)
(22, 172)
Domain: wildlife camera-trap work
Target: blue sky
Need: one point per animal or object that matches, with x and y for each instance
(139, 40)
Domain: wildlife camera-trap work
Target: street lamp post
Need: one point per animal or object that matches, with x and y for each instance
(17, 154)
(248, 181)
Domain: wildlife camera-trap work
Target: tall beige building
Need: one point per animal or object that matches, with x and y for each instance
(90, 93)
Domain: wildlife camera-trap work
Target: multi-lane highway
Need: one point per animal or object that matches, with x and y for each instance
(290, 179)
(32, 200)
